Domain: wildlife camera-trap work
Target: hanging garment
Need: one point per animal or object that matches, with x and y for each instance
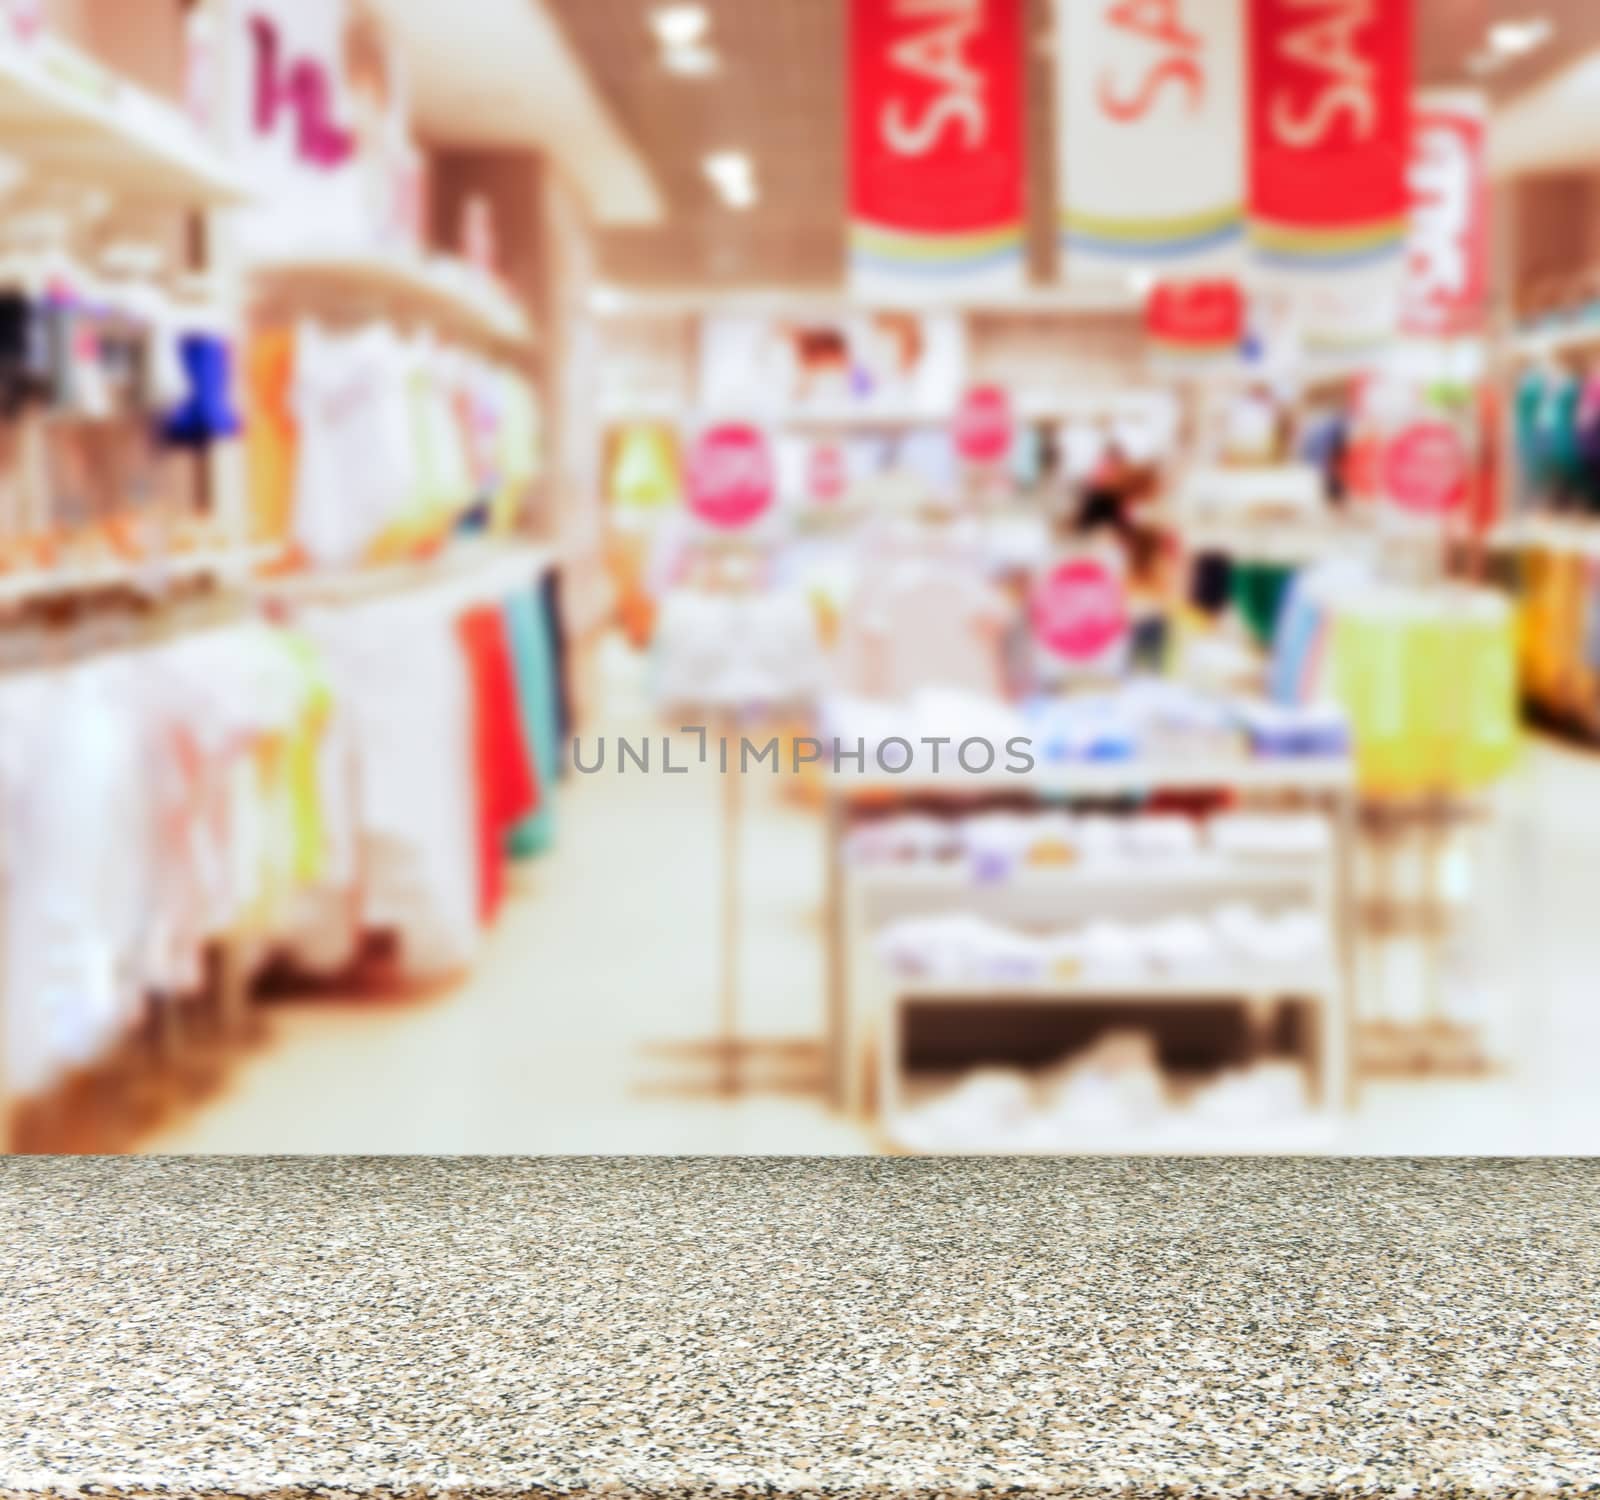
(536, 699)
(1259, 592)
(400, 666)
(507, 788)
(550, 599)
(209, 413)
(271, 436)
(1211, 582)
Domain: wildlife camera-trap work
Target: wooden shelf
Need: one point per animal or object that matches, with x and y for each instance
(1200, 987)
(1202, 872)
(438, 289)
(1130, 778)
(1177, 1136)
(351, 585)
(63, 112)
(147, 576)
(1544, 343)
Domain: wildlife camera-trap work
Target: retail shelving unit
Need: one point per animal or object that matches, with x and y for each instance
(1551, 343)
(67, 118)
(868, 1004)
(436, 288)
(463, 562)
(232, 566)
(62, 110)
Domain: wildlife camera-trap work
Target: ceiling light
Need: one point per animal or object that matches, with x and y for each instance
(693, 61)
(734, 176)
(679, 26)
(727, 164)
(1518, 38)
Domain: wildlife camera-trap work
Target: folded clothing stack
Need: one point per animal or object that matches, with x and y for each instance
(994, 846)
(1145, 719)
(1115, 1086)
(960, 948)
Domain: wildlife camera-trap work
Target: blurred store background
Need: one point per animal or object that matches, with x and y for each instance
(799, 575)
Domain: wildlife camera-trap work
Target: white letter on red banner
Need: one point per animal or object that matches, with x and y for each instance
(1447, 275)
(936, 143)
(1330, 132)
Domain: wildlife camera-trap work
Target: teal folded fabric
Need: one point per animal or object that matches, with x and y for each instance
(537, 689)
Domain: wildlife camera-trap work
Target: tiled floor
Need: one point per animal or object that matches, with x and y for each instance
(612, 942)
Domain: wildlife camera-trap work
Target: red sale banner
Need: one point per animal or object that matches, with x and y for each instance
(1426, 468)
(1195, 319)
(1080, 611)
(1329, 131)
(983, 426)
(731, 480)
(936, 142)
(1447, 263)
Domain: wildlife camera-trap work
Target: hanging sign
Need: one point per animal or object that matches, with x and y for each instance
(936, 143)
(26, 17)
(317, 114)
(731, 480)
(1426, 468)
(1329, 132)
(827, 473)
(983, 426)
(1447, 275)
(1151, 119)
(1196, 320)
(1080, 611)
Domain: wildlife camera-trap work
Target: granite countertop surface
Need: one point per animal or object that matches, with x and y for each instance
(660, 1327)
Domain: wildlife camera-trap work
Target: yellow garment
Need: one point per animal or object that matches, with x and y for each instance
(1431, 698)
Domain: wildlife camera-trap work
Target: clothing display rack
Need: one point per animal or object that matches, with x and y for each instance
(867, 1005)
(726, 566)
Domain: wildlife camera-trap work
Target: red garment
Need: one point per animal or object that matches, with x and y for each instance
(508, 789)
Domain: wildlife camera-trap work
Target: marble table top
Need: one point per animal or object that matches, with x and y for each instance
(872, 1328)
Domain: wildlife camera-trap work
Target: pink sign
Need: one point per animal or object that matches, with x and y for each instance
(1426, 468)
(983, 426)
(826, 477)
(27, 17)
(1080, 610)
(730, 475)
(1447, 282)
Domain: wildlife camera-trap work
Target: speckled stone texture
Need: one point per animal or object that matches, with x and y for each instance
(639, 1327)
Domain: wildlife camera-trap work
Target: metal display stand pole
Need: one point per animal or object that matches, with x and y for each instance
(784, 1065)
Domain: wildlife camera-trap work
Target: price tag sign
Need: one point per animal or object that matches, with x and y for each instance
(1425, 469)
(1080, 611)
(731, 482)
(983, 426)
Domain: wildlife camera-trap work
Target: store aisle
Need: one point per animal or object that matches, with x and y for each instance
(604, 946)
(610, 943)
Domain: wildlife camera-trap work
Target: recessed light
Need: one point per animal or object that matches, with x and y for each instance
(1518, 38)
(727, 164)
(678, 26)
(692, 61)
(734, 176)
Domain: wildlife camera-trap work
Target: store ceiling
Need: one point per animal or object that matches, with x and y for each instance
(779, 96)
